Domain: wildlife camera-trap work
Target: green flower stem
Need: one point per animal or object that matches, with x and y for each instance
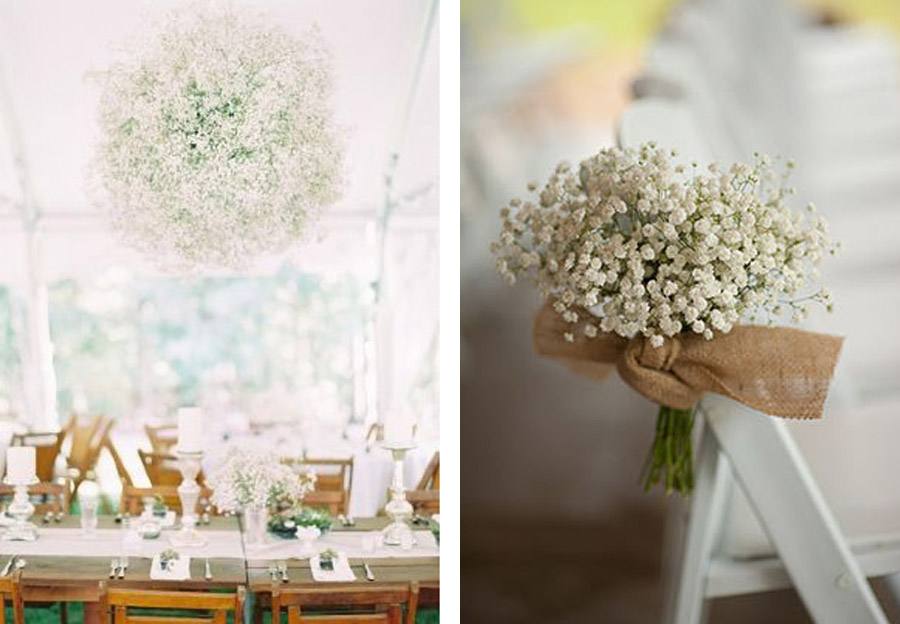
(670, 460)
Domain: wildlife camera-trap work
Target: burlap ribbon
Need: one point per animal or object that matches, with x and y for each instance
(777, 370)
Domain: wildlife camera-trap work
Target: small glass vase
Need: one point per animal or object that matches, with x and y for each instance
(256, 524)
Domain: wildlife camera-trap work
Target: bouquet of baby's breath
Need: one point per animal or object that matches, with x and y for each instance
(250, 479)
(631, 244)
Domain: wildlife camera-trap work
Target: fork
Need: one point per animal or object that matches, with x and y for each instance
(113, 568)
(282, 567)
(273, 572)
(207, 574)
(123, 567)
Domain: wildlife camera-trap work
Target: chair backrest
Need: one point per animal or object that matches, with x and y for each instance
(53, 497)
(426, 498)
(431, 478)
(374, 435)
(121, 469)
(163, 438)
(87, 441)
(46, 448)
(212, 608)
(381, 604)
(10, 589)
(161, 468)
(334, 482)
(132, 500)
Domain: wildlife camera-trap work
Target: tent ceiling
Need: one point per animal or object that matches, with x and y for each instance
(49, 48)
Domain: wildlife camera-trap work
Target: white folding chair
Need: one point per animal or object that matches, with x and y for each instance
(741, 445)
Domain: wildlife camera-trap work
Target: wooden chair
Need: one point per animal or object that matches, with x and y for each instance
(132, 500)
(47, 446)
(51, 497)
(426, 498)
(121, 469)
(87, 441)
(351, 604)
(162, 468)
(334, 482)
(163, 438)
(213, 608)
(374, 435)
(10, 589)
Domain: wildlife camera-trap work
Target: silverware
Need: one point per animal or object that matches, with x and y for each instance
(207, 574)
(113, 568)
(282, 567)
(123, 567)
(368, 571)
(8, 565)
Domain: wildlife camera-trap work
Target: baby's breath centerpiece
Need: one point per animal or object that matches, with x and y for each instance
(632, 245)
(251, 479)
(218, 141)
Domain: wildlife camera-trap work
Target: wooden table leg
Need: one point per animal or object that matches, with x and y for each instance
(91, 613)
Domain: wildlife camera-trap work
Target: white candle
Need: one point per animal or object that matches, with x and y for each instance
(398, 427)
(20, 465)
(190, 430)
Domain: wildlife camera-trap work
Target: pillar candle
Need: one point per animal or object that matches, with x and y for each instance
(190, 430)
(398, 427)
(20, 465)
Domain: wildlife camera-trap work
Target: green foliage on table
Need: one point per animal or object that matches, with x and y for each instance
(285, 524)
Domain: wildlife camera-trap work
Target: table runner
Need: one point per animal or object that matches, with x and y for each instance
(111, 543)
(348, 542)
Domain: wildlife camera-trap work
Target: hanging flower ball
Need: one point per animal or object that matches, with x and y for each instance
(218, 142)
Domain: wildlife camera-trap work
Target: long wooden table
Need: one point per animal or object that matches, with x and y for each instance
(60, 578)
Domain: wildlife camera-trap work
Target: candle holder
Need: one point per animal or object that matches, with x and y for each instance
(21, 510)
(188, 493)
(398, 508)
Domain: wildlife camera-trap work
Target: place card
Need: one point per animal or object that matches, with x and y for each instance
(340, 574)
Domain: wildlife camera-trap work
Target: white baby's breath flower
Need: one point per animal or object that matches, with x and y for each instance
(654, 249)
(218, 141)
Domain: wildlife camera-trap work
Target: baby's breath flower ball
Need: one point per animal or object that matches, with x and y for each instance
(217, 140)
(649, 248)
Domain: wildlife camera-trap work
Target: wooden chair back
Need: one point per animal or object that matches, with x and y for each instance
(87, 442)
(51, 497)
(431, 478)
(162, 468)
(426, 498)
(163, 438)
(46, 448)
(350, 605)
(121, 469)
(211, 608)
(334, 482)
(132, 500)
(10, 590)
(374, 435)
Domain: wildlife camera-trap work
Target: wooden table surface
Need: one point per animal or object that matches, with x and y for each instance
(76, 579)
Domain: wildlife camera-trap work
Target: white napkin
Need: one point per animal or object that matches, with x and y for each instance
(178, 571)
(341, 572)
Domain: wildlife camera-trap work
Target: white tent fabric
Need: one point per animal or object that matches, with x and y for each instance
(386, 99)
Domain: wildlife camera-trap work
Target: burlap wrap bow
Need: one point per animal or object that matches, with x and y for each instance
(776, 370)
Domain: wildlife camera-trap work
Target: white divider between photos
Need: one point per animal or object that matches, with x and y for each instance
(741, 445)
